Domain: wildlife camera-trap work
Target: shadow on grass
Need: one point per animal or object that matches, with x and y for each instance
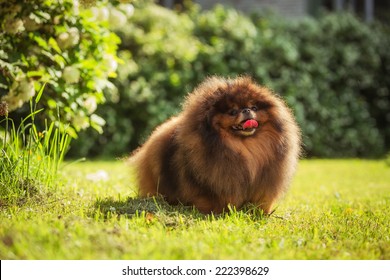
(157, 206)
(135, 206)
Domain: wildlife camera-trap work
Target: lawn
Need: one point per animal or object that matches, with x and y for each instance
(336, 209)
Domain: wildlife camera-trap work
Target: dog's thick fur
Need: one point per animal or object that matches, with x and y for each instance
(204, 157)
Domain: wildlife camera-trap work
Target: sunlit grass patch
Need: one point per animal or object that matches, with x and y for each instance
(335, 209)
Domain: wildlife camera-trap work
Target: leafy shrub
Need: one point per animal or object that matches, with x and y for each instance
(333, 72)
(60, 44)
(159, 54)
(335, 60)
(231, 41)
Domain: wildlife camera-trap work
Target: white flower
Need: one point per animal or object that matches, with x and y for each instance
(117, 19)
(128, 9)
(68, 39)
(71, 74)
(74, 35)
(13, 102)
(103, 14)
(90, 104)
(95, 12)
(62, 40)
(13, 25)
(110, 63)
(21, 90)
(26, 89)
(76, 6)
(80, 121)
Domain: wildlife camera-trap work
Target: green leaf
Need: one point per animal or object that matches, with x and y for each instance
(42, 43)
(97, 123)
(40, 92)
(60, 60)
(54, 45)
(72, 132)
(34, 73)
(51, 103)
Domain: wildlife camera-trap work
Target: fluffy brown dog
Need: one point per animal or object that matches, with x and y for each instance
(234, 143)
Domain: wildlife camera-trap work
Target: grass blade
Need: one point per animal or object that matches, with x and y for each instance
(39, 95)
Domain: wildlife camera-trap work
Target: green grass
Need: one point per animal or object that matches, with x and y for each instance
(29, 157)
(336, 209)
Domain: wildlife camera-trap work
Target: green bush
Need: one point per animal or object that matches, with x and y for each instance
(335, 59)
(333, 71)
(62, 45)
(159, 53)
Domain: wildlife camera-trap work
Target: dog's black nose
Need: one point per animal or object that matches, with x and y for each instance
(246, 111)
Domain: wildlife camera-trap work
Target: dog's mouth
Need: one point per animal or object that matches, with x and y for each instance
(246, 127)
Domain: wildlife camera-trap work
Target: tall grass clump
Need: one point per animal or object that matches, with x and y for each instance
(29, 156)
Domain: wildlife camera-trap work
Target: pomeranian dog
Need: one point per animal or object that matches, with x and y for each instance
(234, 143)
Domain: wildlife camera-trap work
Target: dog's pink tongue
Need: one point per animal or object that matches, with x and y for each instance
(250, 124)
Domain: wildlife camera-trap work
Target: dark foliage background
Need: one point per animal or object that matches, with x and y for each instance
(333, 71)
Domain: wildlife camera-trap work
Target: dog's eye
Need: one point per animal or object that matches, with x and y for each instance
(254, 108)
(233, 112)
